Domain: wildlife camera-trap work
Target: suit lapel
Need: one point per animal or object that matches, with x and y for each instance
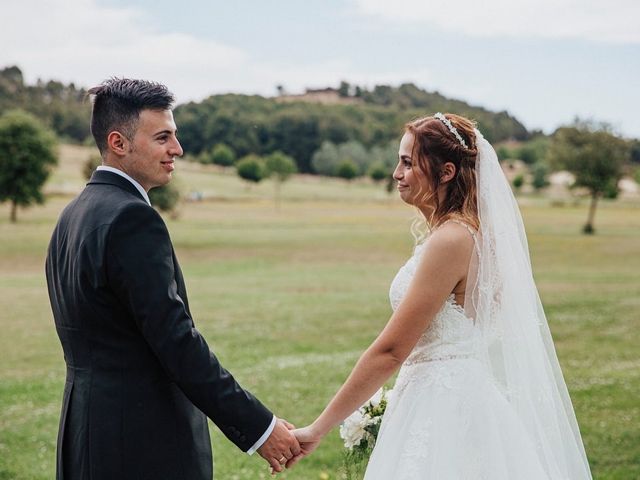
(105, 177)
(181, 287)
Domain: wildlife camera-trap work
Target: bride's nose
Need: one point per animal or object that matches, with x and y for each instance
(397, 173)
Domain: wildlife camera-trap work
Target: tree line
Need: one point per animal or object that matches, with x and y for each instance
(259, 125)
(265, 137)
(63, 108)
(251, 124)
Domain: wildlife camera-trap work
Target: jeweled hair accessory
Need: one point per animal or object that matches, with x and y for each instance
(451, 128)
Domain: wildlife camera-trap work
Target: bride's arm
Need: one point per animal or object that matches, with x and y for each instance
(444, 263)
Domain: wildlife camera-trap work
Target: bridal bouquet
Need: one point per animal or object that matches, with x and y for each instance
(359, 432)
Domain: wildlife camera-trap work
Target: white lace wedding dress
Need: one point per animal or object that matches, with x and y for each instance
(446, 418)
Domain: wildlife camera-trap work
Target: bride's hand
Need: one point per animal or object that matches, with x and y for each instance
(309, 440)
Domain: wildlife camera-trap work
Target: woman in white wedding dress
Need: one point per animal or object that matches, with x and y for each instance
(479, 394)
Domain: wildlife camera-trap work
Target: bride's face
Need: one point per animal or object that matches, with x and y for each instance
(412, 184)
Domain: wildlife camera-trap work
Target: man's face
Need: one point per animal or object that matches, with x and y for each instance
(151, 158)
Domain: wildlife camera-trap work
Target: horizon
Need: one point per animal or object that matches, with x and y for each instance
(544, 62)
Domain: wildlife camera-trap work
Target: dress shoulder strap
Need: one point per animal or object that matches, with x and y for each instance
(471, 231)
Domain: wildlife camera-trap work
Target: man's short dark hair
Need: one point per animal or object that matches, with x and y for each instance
(117, 104)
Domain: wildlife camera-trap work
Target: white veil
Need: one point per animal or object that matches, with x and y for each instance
(518, 348)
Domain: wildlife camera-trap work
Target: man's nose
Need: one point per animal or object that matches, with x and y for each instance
(177, 149)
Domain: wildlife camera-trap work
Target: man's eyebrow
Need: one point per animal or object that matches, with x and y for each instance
(164, 132)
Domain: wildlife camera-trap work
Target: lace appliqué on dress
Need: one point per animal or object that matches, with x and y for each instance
(451, 336)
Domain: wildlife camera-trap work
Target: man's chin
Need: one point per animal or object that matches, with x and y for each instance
(165, 182)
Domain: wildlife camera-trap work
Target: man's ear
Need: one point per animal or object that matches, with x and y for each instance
(448, 172)
(118, 143)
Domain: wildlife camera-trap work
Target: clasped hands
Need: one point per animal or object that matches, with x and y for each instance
(286, 446)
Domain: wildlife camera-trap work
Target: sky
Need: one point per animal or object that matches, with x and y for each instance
(543, 61)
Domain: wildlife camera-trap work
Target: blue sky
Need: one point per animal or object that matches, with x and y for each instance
(544, 61)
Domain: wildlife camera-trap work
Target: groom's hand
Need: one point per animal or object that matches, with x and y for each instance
(280, 447)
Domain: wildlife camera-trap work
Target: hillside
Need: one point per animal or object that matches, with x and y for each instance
(61, 107)
(261, 125)
(298, 125)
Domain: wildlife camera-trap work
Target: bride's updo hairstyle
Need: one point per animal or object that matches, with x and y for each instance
(434, 145)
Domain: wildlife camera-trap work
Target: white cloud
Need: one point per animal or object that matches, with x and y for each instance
(615, 21)
(80, 41)
(83, 42)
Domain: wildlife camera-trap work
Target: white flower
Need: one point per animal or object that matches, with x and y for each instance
(372, 421)
(377, 398)
(352, 429)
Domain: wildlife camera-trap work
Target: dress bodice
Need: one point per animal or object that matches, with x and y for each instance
(451, 334)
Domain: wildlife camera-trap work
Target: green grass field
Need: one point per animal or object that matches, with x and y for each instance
(289, 298)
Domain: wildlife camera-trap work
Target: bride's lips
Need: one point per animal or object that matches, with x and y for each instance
(402, 187)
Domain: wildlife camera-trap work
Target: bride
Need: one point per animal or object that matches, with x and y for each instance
(479, 394)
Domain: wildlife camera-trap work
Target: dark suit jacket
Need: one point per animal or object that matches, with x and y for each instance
(140, 377)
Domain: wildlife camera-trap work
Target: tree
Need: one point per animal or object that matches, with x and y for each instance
(347, 170)
(517, 182)
(280, 167)
(534, 150)
(328, 158)
(166, 197)
(390, 185)
(344, 89)
(325, 159)
(635, 151)
(540, 172)
(295, 131)
(355, 152)
(27, 155)
(503, 153)
(378, 172)
(387, 155)
(58, 106)
(594, 155)
(222, 154)
(251, 168)
(527, 155)
(90, 165)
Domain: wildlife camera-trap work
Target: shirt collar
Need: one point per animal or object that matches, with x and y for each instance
(117, 171)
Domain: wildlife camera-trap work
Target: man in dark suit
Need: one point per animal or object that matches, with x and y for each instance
(141, 380)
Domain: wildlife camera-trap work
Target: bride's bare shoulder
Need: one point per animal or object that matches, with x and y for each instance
(453, 234)
(447, 252)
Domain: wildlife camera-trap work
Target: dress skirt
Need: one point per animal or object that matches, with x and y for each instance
(447, 420)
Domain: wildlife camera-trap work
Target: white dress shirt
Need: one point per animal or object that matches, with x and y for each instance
(144, 194)
(124, 175)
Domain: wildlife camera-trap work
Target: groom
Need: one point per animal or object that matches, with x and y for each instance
(141, 380)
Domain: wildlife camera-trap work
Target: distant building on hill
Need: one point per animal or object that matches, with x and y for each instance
(326, 96)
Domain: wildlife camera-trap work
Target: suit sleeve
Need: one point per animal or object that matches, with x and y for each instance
(141, 271)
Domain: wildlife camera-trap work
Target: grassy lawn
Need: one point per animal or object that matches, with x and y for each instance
(288, 299)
